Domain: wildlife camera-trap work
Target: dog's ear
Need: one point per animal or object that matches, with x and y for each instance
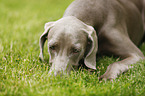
(90, 59)
(43, 38)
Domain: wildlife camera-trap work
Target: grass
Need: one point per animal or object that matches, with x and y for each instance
(21, 72)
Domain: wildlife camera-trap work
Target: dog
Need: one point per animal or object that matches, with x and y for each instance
(88, 27)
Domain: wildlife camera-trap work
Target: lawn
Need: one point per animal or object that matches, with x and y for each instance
(21, 72)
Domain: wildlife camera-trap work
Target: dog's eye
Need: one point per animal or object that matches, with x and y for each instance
(52, 47)
(75, 50)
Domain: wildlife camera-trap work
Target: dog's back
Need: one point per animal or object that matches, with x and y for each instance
(102, 13)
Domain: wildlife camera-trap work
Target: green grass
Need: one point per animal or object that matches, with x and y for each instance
(21, 72)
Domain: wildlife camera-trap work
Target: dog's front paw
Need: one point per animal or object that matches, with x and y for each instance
(112, 72)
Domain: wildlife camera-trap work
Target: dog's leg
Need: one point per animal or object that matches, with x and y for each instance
(119, 44)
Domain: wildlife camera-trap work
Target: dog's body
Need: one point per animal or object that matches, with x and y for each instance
(89, 26)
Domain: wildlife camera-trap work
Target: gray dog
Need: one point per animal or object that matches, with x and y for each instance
(89, 27)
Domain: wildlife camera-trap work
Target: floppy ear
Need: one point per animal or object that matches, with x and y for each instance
(43, 38)
(90, 59)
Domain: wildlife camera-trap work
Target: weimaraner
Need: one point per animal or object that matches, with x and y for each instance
(89, 27)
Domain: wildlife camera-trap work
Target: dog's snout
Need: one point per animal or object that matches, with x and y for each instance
(60, 66)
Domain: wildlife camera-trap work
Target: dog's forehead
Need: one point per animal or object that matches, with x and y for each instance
(67, 34)
(64, 27)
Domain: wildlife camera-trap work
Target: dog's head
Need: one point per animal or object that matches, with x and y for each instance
(69, 40)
